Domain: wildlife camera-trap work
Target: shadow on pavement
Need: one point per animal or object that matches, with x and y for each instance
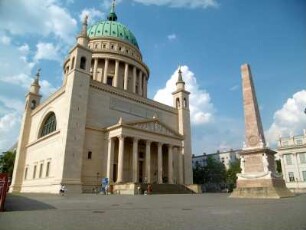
(20, 203)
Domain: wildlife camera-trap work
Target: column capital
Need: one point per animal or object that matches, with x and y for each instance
(120, 137)
(148, 142)
(160, 144)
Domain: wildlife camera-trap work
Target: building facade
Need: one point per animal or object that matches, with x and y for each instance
(225, 157)
(100, 123)
(292, 153)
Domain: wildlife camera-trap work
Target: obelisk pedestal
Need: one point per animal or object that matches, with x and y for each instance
(258, 177)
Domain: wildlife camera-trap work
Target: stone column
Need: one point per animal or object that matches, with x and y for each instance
(144, 86)
(94, 75)
(105, 71)
(148, 161)
(126, 76)
(140, 83)
(120, 159)
(298, 176)
(170, 164)
(134, 79)
(116, 78)
(135, 160)
(159, 164)
(180, 166)
(110, 159)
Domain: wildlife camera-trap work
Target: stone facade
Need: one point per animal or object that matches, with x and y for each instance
(225, 157)
(292, 153)
(100, 123)
(258, 177)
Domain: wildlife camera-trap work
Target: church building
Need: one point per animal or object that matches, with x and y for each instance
(100, 123)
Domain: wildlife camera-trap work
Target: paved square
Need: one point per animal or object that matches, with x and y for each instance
(204, 211)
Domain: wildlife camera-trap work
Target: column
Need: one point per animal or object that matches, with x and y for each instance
(120, 159)
(144, 86)
(94, 75)
(180, 166)
(116, 79)
(159, 164)
(110, 159)
(135, 160)
(134, 79)
(105, 71)
(140, 83)
(148, 161)
(298, 176)
(126, 76)
(170, 164)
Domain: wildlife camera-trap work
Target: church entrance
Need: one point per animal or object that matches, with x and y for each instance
(115, 171)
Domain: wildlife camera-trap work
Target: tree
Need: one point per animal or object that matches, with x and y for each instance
(7, 160)
(231, 174)
(214, 171)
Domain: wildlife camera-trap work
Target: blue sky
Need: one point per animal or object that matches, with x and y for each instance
(211, 39)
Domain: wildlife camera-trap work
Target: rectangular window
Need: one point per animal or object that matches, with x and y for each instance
(304, 175)
(26, 173)
(302, 158)
(89, 155)
(291, 176)
(109, 80)
(47, 169)
(288, 159)
(299, 141)
(40, 170)
(34, 171)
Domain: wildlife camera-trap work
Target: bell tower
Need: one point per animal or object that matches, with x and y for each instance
(181, 103)
(32, 101)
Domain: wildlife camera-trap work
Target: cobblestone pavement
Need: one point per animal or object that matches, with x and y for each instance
(106, 212)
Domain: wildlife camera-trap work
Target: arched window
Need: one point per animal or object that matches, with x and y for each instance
(83, 63)
(185, 103)
(177, 102)
(49, 125)
(72, 63)
(33, 104)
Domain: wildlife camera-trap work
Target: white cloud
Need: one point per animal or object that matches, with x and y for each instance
(24, 49)
(171, 37)
(234, 88)
(45, 17)
(201, 108)
(9, 128)
(5, 40)
(289, 119)
(181, 3)
(93, 15)
(47, 51)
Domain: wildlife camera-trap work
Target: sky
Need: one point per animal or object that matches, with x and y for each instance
(210, 39)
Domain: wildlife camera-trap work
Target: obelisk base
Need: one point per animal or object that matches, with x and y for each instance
(273, 188)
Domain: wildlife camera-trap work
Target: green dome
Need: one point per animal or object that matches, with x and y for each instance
(113, 29)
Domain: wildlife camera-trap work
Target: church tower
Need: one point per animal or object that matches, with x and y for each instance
(77, 81)
(32, 101)
(181, 103)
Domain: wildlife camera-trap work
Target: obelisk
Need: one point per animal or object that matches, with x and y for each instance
(258, 178)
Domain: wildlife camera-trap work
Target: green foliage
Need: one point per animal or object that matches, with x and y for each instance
(213, 172)
(278, 166)
(231, 174)
(7, 160)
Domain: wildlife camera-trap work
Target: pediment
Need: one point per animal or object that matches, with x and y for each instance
(155, 126)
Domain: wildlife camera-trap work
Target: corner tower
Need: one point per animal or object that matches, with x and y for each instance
(181, 103)
(32, 101)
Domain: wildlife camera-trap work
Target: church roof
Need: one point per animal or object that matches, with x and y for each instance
(112, 28)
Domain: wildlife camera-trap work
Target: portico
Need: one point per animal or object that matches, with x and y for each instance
(144, 152)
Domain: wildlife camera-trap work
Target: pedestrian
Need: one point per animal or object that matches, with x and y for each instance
(62, 190)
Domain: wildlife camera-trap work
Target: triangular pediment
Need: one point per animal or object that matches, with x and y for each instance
(154, 126)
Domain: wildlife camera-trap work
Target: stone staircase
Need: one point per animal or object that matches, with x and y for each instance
(170, 189)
